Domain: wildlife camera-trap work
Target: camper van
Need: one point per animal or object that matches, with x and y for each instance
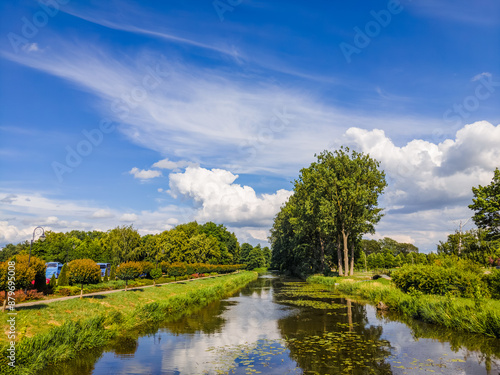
(104, 267)
(53, 268)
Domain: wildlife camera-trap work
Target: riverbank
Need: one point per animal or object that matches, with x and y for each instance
(464, 314)
(55, 332)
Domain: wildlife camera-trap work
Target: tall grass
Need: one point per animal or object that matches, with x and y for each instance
(464, 314)
(120, 315)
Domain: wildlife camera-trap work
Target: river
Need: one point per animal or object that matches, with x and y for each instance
(262, 330)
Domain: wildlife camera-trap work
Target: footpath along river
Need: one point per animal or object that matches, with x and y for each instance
(272, 327)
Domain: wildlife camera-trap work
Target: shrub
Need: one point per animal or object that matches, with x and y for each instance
(177, 269)
(84, 271)
(493, 282)
(438, 280)
(112, 274)
(33, 294)
(52, 284)
(63, 279)
(128, 271)
(155, 274)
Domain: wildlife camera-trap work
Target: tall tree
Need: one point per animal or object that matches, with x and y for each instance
(334, 202)
(486, 204)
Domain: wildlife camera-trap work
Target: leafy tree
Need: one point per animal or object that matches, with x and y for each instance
(155, 274)
(202, 248)
(334, 202)
(128, 271)
(9, 251)
(266, 251)
(486, 204)
(63, 279)
(123, 243)
(84, 271)
(256, 258)
(112, 273)
(245, 252)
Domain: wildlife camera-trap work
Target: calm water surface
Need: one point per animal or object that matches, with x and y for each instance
(254, 332)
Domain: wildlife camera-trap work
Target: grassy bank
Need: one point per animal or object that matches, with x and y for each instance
(464, 314)
(55, 332)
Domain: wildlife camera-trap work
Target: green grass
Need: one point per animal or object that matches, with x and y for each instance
(57, 331)
(464, 314)
(260, 270)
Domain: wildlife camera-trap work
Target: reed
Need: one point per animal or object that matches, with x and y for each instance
(476, 315)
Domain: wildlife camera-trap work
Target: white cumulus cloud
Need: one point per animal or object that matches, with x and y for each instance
(144, 174)
(128, 217)
(169, 164)
(219, 199)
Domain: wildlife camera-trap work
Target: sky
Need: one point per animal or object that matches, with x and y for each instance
(152, 114)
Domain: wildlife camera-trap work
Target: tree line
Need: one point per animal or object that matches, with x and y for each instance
(186, 243)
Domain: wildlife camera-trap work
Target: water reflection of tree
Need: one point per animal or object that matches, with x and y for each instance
(257, 287)
(485, 348)
(207, 320)
(336, 341)
(83, 364)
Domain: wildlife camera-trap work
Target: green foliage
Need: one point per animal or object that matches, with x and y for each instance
(486, 204)
(63, 279)
(53, 282)
(155, 274)
(177, 269)
(439, 280)
(129, 271)
(493, 282)
(255, 259)
(334, 202)
(84, 271)
(112, 273)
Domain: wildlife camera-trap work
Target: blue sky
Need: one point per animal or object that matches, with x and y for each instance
(156, 113)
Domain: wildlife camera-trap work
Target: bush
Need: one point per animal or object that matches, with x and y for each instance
(128, 271)
(63, 279)
(438, 280)
(155, 274)
(33, 294)
(177, 269)
(84, 271)
(112, 274)
(493, 282)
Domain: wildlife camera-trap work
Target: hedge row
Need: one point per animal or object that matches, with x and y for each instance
(433, 279)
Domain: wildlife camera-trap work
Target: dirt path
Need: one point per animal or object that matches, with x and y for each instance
(42, 302)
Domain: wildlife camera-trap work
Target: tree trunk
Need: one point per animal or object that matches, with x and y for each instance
(352, 259)
(126, 284)
(5, 300)
(81, 292)
(346, 252)
(339, 256)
